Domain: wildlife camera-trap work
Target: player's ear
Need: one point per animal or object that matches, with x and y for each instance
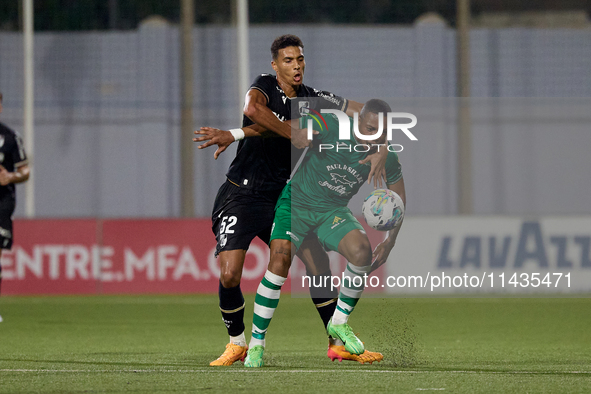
(274, 65)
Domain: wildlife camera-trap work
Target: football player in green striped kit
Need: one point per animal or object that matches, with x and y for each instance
(315, 201)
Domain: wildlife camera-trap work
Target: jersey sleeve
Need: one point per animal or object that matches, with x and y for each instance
(265, 83)
(19, 156)
(393, 169)
(329, 100)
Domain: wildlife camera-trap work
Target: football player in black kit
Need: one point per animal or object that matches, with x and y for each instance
(245, 203)
(14, 168)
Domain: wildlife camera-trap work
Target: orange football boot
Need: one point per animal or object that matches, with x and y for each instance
(232, 354)
(339, 353)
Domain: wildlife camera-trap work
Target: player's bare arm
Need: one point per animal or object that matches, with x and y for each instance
(255, 107)
(224, 138)
(381, 252)
(21, 174)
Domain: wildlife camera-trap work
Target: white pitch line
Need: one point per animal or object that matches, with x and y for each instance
(266, 370)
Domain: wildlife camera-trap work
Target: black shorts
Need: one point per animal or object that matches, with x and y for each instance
(6, 211)
(241, 214)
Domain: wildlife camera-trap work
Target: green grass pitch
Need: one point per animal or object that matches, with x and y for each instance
(165, 343)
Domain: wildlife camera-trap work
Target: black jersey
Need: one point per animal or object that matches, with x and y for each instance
(12, 155)
(266, 163)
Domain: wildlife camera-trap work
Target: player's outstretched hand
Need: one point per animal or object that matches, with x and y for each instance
(213, 136)
(378, 167)
(4, 176)
(380, 255)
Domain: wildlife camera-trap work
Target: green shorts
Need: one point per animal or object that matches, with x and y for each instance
(294, 223)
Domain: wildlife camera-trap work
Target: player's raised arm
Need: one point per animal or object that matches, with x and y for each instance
(20, 174)
(382, 251)
(224, 138)
(255, 107)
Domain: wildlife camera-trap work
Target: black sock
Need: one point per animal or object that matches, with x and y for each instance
(232, 307)
(323, 297)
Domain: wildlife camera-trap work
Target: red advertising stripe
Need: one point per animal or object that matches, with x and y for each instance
(51, 257)
(170, 256)
(88, 256)
(118, 257)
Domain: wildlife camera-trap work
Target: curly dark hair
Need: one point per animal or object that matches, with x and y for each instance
(284, 41)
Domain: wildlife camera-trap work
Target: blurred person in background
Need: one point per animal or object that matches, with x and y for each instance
(14, 169)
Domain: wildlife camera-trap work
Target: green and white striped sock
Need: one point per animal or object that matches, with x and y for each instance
(265, 303)
(351, 289)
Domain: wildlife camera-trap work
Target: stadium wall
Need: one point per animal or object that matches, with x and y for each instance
(510, 256)
(440, 256)
(87, 256)
(107, 112)
(123, 256)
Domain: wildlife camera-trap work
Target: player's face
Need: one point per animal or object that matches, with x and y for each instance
(290, 65)
(369, 124)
